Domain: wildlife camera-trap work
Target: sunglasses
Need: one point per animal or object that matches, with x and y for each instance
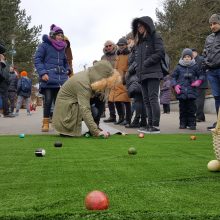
(108, 46)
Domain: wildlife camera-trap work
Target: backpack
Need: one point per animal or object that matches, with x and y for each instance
(164, 63)
(25, 85)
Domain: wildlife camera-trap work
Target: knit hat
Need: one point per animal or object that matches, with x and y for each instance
(187, 51)
(54, 30)
(109, 42)
(122, 42)
(215, 18)
(23, 73)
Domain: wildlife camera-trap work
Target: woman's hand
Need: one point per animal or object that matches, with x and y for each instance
(45, 77)
(104, 134)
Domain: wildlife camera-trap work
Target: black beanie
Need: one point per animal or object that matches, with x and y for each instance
(122, 41)
(187, 51)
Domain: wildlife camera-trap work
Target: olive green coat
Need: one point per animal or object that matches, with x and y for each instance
(73, 101)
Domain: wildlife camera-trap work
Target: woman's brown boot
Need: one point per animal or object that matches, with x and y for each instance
(45, 126)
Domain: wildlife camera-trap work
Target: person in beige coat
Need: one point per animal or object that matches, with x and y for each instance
(119, 93)
(109, 50)
(73, 100)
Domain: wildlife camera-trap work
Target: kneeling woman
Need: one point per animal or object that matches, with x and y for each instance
(73, 100)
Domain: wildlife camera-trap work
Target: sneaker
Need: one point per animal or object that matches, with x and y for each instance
(16, 113)
(211, 127)
(144, 130)
(28, 114)
(154, 130)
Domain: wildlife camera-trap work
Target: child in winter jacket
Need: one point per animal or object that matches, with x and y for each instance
(165, 94)
(185, 78)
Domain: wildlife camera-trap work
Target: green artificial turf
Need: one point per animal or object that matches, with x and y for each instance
(166, 179)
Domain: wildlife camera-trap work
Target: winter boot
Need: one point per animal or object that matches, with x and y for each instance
(45, 126)
(120, 120)
(110, 119)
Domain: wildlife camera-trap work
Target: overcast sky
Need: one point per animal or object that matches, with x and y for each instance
(89, 23)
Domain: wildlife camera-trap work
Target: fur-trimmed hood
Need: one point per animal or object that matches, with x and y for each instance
(146, 21)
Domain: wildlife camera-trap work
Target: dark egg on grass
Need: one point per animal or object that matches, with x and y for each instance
(58, 144)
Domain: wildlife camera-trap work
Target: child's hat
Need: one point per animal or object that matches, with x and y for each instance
(24, 73)
(187, 51)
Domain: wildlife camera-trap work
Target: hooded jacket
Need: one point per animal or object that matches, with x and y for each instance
(73, 101)
(48, 60)
(148, 50)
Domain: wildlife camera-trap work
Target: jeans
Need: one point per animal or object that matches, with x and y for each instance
(150, 91)
(50, 95)
(214, 80)
(20, 101)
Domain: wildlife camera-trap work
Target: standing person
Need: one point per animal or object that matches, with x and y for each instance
(24, 92)
(4, 82)
(69, 54)
(134, 91)
(149, 50)
(52, 68)
(212, 60)
(119, 93)
(73, 100)
(12, 89)
(165, 94)
(201, 90)
(110, 49)
(185, 78)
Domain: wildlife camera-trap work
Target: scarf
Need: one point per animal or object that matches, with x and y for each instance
(59, 45)
(190, 63)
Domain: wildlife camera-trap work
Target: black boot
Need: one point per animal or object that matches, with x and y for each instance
(110, 119)
(120, 120)
(134, 124)
(143, 123)
(125, 122)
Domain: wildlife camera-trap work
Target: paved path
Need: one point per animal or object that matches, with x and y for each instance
(32, 124)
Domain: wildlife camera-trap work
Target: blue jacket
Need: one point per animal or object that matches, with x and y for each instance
(184, 76)
(48, 60)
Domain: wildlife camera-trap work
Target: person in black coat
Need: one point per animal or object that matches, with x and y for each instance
(148, 50)
(12, 88)
(4, 82)
(200, 100)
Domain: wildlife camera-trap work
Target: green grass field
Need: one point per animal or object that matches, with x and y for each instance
(167, 179)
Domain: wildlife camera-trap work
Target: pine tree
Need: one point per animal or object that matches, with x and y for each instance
(15, 22)
(184, 23)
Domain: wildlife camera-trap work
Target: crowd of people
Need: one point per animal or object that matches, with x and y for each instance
(15, 88)
(128, 79)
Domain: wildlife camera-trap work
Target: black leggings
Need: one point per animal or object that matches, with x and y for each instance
(50, 95)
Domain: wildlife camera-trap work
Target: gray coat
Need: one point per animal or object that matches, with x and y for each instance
(212, 51)
(165, 91)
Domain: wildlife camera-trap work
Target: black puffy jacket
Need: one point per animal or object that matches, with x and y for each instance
(148, 50)
(13, 81)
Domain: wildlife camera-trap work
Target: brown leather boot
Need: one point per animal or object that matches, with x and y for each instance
(45, 126)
